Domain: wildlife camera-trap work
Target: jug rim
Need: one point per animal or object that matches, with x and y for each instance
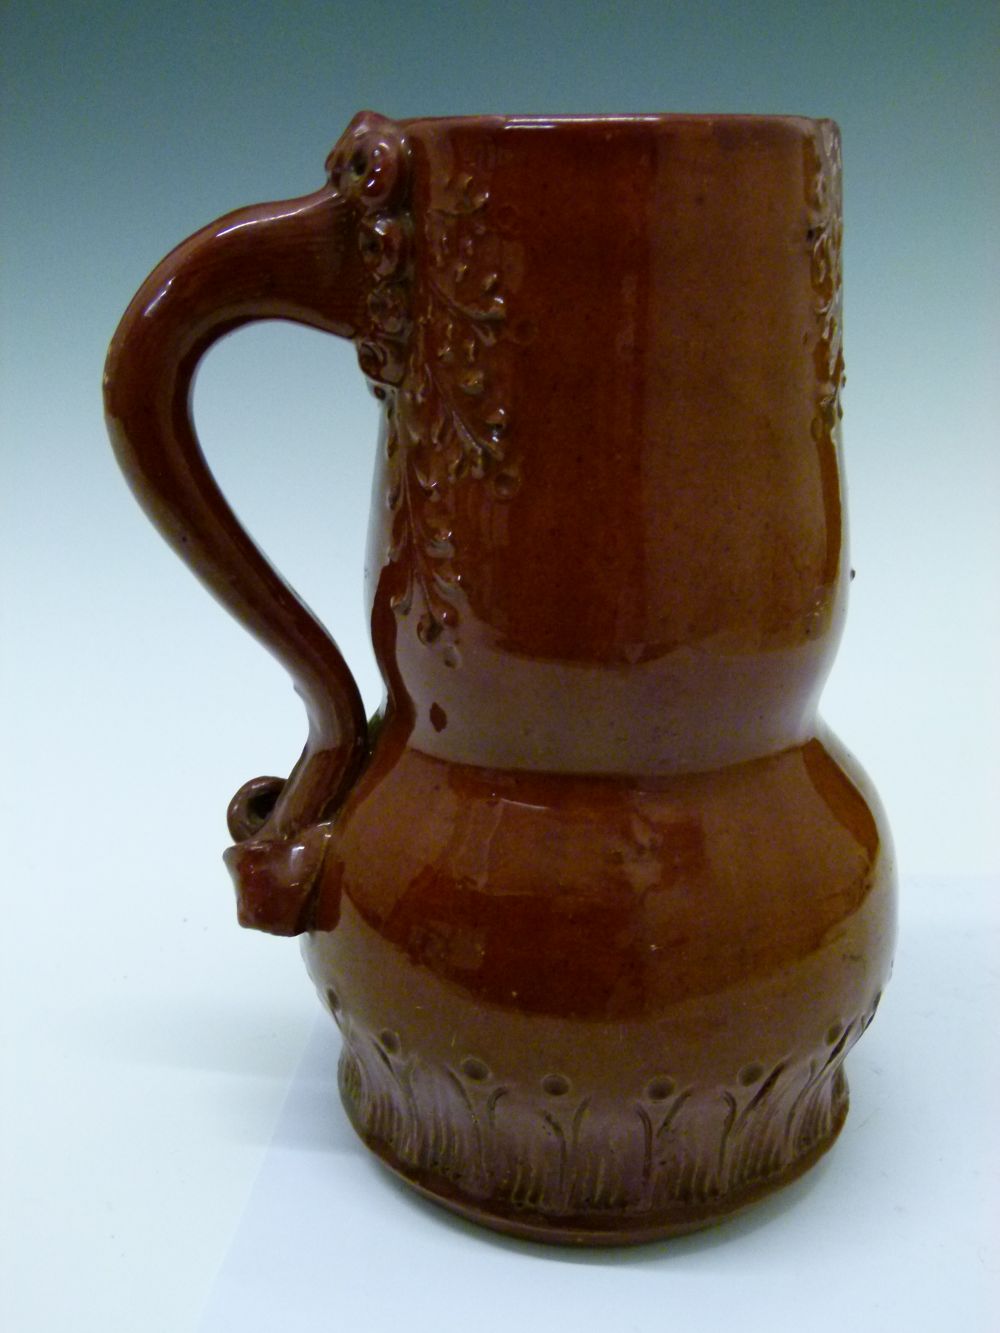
(624, 120)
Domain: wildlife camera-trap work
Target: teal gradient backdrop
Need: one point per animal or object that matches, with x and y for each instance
(125, 127)
(133, 707)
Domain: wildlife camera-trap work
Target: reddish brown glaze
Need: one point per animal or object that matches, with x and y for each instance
(598, 904)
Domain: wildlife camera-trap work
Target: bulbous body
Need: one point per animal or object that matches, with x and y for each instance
(599, 905)
(601, 1008)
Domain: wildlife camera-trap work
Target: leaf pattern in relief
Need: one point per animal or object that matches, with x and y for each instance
(451, 420)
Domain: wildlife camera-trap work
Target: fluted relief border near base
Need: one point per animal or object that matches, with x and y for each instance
(563, 1152)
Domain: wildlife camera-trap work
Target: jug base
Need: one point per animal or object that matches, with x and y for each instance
(605, 1229)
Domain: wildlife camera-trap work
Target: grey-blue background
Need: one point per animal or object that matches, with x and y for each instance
(152, 1041)
(125, 127)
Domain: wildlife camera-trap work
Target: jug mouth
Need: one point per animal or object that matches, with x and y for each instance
(623, 121)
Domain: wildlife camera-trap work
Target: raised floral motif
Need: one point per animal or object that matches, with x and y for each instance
(370, 165)
(451, 419)
(437, 368)
(823, 197)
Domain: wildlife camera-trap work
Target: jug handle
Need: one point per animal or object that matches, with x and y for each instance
(304, 260)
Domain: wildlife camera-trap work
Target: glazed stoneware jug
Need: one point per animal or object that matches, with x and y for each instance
(598, 904)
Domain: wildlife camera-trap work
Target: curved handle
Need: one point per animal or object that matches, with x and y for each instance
(327, 260)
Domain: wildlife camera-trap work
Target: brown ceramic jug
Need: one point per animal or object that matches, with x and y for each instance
(598, 904)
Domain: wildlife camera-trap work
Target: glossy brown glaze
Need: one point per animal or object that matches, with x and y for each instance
(598, 904)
